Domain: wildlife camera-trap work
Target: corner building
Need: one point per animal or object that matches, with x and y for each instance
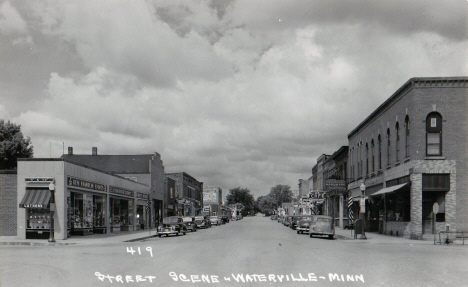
(411, 153)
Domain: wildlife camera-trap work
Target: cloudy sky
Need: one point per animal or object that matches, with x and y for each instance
(235, 93)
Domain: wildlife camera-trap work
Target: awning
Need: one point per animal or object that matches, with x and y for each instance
(35, 198)
(390, 189)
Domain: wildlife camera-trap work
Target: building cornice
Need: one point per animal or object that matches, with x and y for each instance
(432, 82)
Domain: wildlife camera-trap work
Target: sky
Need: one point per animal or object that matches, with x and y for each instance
(235, 93)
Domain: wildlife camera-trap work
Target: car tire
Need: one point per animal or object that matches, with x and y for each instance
(183, 233)
(159, 235)
(298, 232)
(177, 234)
(330, 237)
(310, 235)
(167, 235)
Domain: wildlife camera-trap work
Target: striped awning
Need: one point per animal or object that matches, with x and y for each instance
(35, 198)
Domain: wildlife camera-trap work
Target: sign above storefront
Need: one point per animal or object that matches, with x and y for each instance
(39, 179)
(85, 184)
(335, 184)
(120, 191)
(142, 195)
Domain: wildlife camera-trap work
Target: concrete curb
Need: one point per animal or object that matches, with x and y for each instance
(35, 243)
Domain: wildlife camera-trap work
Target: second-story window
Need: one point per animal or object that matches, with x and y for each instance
(367, 159)
(407, 133)
(379, 139)
(389, 143)
(434, 134)
(373, 156)
(397, 141)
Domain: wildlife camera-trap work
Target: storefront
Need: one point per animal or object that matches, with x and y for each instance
(85, 201)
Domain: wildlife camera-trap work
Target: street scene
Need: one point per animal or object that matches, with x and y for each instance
(254, 251)
(233, 142)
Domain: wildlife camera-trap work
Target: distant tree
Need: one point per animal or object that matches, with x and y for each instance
(241, 195)
(13, 145)
(281, 193)
(266, 204)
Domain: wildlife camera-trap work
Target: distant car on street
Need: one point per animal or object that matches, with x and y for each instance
(322, 225)
(190, 223)
(172, 225)
(215, 220)
(202, 222)
(225, 219)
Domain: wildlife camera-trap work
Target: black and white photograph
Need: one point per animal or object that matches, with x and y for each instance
(233, 143)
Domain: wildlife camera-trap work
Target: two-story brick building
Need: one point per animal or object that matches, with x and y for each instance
(411, 153)
(188, 193)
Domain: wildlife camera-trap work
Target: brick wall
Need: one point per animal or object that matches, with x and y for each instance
(8, 203)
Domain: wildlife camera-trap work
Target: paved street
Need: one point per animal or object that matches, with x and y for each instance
(255, 251)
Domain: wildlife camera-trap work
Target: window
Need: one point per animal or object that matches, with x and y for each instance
(407, 131)
(380, 151)
(367, 159)
(172, 192)
(373, 155)
(388, 146)
(397, 145)
(434, 134)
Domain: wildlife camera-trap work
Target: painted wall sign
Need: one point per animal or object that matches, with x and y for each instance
(335, 184)
(210, 196)
(85, 184)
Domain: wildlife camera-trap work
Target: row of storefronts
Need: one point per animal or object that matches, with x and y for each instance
(405, 167)
(80, 200)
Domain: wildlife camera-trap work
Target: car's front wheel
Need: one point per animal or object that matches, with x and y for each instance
(310, 235)
(330, 236)
(159, 235)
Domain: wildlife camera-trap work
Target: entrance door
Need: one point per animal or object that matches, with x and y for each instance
(429, 198)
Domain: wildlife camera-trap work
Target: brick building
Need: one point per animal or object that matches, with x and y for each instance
(212, 200)
(188, 194)
(8, 202)
(411, 153)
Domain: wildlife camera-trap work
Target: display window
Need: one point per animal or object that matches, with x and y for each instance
(81, 214)
(38, 223)
(122, 213)
(99, 213)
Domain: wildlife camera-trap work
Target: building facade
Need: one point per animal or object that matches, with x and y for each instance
(8, 202)
(188, 193)
(145, 168)
(83, 200)
(335, 175)
(411, 153)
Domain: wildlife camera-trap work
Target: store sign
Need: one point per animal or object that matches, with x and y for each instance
(142, 195)
(120, 191)
(85, 184)
(207, 209)
(210, 196)
(335, 184)
(39, 179)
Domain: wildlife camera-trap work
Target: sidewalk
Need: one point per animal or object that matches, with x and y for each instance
(376, 238)
(108, 238)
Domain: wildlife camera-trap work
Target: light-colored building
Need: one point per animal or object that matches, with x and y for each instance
(212, 200)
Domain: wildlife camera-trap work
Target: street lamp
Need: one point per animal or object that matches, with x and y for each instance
(52, 209)
(363, 209)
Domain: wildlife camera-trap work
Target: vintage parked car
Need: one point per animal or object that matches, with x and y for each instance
(190, 223)
(274, 217)
(303, 223)
(172, 225)
(215, 220)
(322, 225)
(202, 221)
(294, 220)
(287, 220)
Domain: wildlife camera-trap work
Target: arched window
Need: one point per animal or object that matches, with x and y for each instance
(397, 141)
(367, 159)
(389, 142)
(407, 131)
(373, 156)
(379, 139)
(434, 134)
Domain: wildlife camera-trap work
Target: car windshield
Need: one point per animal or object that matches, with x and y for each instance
(323, 219)
(213, 217)
(305, 218)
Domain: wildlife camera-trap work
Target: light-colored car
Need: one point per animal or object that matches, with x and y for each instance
(215, 220)
(303, 223)
(171, 225)
(202, 222)
(190, 223)
(322, 225)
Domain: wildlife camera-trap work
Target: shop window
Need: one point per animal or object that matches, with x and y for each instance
(434, 134)
(407, 133)
(398, 206)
